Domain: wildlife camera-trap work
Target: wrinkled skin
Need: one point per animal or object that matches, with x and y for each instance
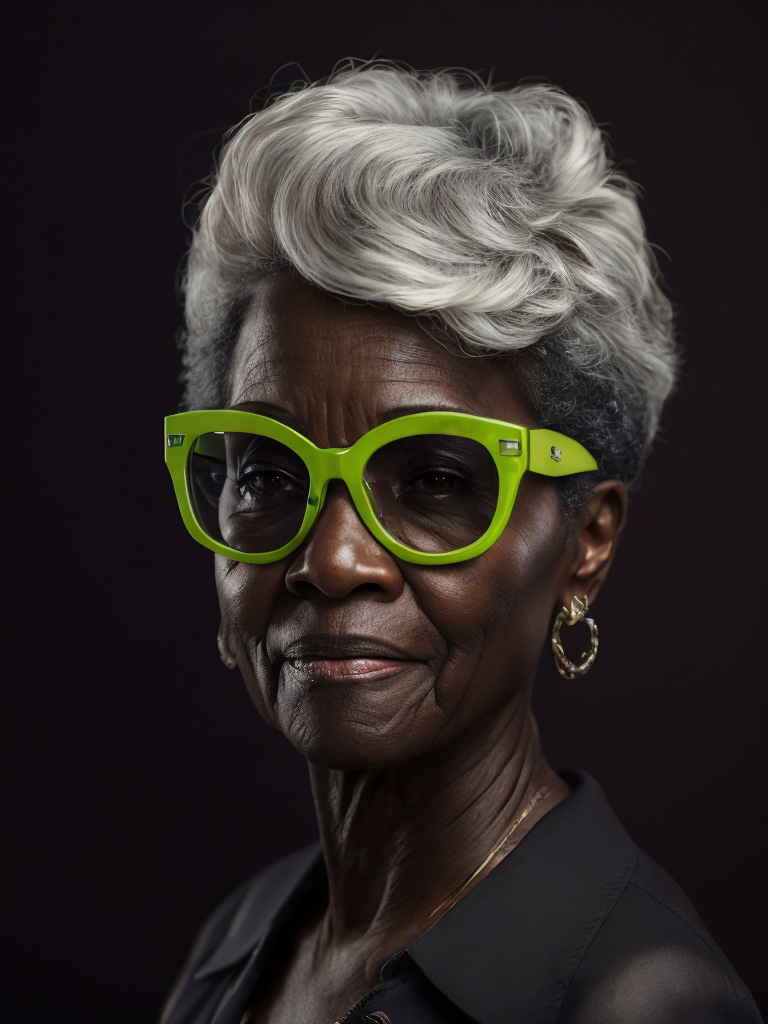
(418, 773)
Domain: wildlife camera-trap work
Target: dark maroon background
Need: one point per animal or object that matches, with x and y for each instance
(144, 785)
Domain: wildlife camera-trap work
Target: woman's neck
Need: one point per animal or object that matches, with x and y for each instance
(398, 842)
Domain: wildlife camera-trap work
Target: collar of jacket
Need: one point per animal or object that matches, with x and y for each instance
(513, 942)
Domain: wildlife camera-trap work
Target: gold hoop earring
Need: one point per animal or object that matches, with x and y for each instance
(578, 612)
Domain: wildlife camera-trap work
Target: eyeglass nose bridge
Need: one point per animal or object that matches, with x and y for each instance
(328, 465)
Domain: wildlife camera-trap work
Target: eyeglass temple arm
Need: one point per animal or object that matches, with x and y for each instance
(553, 454)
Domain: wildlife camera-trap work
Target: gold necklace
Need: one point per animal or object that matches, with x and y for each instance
(457, 893)
(382, 1018)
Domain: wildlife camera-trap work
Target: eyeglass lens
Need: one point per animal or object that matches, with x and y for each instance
(433, 492)
(249, 491)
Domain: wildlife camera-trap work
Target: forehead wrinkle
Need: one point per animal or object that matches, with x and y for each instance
(258, 374)
(382, 369)
(337, 409)
(476, 395)
(340, 371)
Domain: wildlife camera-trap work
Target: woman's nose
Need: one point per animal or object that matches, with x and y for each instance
(340, 555)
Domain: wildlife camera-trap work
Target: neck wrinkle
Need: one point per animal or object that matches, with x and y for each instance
(398, 842)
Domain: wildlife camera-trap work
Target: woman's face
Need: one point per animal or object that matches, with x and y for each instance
(362, 660)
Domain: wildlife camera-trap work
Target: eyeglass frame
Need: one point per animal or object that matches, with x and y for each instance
(515, 449)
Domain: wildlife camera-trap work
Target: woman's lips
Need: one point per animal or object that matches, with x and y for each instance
(346, 658)
(348, 669)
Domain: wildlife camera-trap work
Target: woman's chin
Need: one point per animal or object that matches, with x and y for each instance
(362, 728)
(350, 751)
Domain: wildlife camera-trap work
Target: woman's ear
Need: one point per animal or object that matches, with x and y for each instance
(600, 522)
(223, 643)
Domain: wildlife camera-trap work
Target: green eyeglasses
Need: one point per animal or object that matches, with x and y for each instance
(432, 488)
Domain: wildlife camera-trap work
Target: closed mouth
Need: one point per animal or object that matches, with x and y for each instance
(321, 646)
(329, 658)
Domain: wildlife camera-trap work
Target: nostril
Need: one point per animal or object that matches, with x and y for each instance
(333, 589)
(303, 588)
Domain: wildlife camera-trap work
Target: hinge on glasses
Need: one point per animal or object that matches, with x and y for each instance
(176, 440)
(510, 448)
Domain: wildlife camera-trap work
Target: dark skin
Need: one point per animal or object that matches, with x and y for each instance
(418, 772)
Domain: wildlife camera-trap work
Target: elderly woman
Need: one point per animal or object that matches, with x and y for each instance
(426, 354)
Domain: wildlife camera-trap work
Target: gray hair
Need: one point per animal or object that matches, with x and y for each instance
(496, 214)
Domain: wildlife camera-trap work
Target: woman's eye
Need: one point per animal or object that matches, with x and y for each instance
(265, 481)
(437, 481)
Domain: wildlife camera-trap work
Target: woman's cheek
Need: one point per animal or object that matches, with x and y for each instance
(494, 611)
(248, 595)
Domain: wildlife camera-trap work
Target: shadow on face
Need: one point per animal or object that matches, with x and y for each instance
(360, 659)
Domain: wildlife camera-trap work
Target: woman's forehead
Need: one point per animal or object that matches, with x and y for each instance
(305, 350)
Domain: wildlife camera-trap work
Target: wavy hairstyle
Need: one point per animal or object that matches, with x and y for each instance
(496, 214)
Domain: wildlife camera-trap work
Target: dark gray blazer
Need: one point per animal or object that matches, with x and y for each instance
(575, 926)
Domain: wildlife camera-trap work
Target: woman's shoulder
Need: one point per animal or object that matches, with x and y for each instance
(652, 959)
(578, 926)
(233, 930)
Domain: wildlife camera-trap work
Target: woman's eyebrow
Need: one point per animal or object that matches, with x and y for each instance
(276, 412)
(410, 410)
